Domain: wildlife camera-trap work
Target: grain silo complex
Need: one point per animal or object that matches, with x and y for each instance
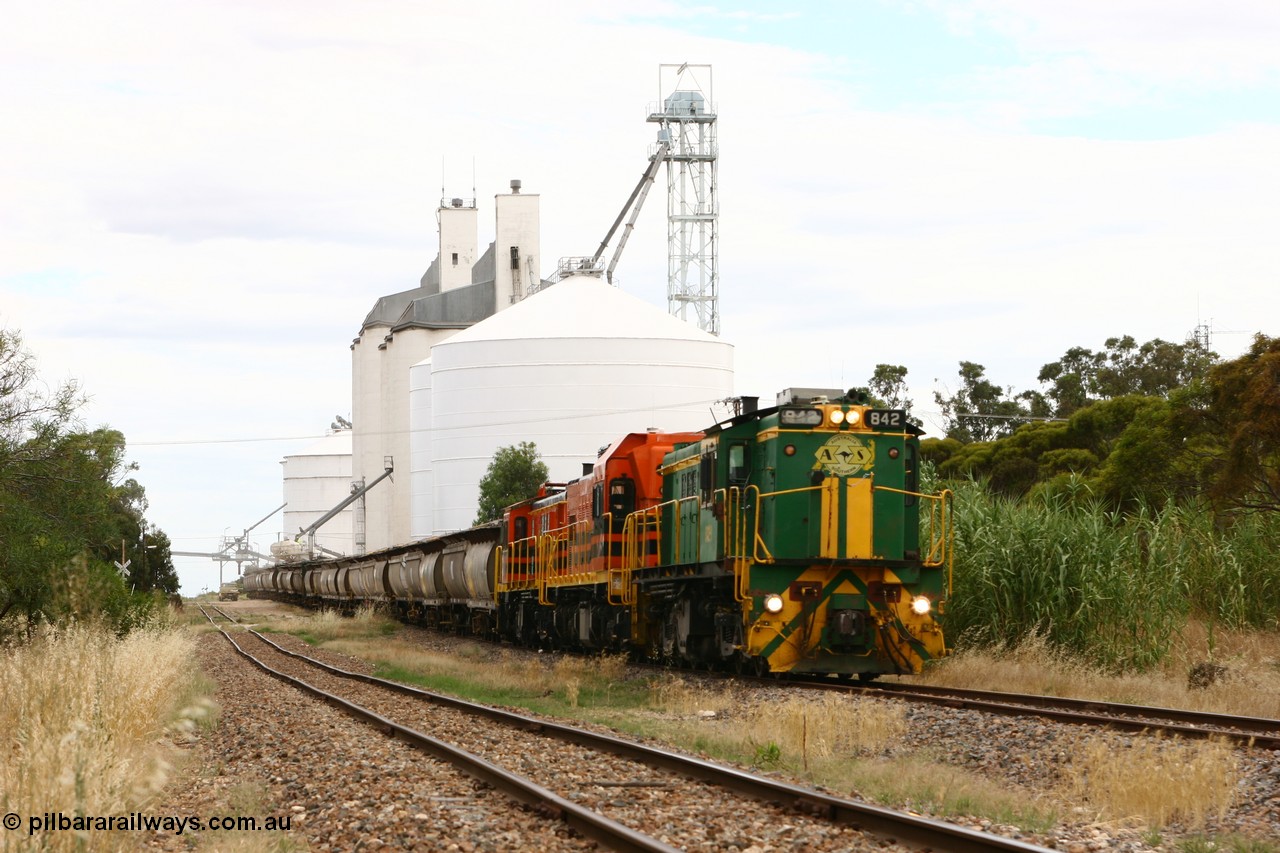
(485, 354)
(460, 288)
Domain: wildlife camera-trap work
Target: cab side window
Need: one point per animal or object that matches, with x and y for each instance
(622, 500)
(707, 474)
(739, 470)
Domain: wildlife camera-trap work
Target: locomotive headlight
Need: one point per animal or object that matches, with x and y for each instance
(773, 603)
(853, 417)
(836, 416)
(920, 605)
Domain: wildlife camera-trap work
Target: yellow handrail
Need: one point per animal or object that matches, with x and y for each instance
(522, 549)
(565, 553)
(941, 528)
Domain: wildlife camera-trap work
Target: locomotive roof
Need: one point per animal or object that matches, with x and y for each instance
(909, 428)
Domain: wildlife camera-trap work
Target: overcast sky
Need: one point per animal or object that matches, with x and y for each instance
(202, 200)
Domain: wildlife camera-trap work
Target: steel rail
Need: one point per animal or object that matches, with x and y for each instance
(1260, 732)
(546, 803)
(223, 614)
(885, 823)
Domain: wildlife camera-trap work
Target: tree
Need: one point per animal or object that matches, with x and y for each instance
(33, 428)
(514, 475)
(1071, 379)
(1244, 413)
(980, 410)
(888, 386)
(1153, 369)
(63, 507)
(145, 548)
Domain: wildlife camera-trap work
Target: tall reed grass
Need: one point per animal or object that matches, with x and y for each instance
(1112, 587)
(82, 712)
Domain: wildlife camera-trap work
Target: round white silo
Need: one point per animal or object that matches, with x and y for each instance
(420, 485)
(570, 368)
(316, 479)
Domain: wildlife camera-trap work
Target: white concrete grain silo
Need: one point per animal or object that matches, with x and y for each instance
(422, 482)
(460, 288)
(570, 368)
(316, 479)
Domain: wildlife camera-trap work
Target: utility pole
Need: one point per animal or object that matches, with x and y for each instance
(122, 565)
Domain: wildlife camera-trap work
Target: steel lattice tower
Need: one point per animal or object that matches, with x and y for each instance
(686, 117)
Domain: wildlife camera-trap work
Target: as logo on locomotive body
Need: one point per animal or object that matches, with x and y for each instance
(844, 455)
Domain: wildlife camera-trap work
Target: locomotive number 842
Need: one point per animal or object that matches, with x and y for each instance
(792, 539)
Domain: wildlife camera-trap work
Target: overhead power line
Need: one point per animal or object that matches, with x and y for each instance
(180, 441)
(516, 420)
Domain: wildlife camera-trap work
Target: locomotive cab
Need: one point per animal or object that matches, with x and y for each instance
(810, 513)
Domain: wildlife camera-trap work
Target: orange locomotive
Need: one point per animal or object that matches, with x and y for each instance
(568, 546)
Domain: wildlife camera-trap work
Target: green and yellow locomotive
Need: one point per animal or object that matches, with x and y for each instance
(788, 540)
(793, 539)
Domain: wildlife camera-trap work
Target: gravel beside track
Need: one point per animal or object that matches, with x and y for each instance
(673, 809)
(376, 801)
(1016, 753)
(345, 785)
(1034, 755)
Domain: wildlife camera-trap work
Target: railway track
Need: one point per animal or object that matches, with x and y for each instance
(590, 769)
(585, 821)
(224, 614)
(1258, 732)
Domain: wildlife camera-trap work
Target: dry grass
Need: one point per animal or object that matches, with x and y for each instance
(800, 732)
(918, 784)
(1156, 780)
(1250, 687)
(500, 671)
(837, 742)
(829, 726)
(327, 626)
(675, 695)
(83, 716)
